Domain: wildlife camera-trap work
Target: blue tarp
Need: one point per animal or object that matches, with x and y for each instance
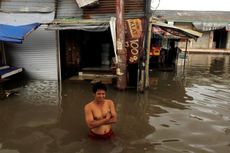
(16, 34)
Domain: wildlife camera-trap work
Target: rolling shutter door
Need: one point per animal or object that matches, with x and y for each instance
(37, 55)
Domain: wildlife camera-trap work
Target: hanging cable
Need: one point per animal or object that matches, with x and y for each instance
(152, 6)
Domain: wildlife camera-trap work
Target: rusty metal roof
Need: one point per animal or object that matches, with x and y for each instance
(108, 8)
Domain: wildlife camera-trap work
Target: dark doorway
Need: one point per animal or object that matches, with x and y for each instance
(83, 50)
(220, 38)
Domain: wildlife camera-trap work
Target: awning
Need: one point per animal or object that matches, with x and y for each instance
(16, 34)
(178, 31)
(76, 24)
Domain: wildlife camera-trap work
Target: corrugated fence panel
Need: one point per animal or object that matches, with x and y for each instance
(109, 7)
(27, 5)
(68, 8)
(37, 55)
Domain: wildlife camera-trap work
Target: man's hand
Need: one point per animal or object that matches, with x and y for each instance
(108, 115)
(111, 119)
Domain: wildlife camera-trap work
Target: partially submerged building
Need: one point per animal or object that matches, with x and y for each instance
(214, 25)
(163, 45)
(73, 38)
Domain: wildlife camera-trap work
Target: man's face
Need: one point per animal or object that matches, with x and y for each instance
(100, 95)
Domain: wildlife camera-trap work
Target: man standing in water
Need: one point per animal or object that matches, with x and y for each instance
(100, 113)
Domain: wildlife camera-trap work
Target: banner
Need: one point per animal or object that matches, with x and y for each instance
(133, 39)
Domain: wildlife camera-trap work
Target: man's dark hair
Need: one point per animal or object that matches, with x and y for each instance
(99, 86)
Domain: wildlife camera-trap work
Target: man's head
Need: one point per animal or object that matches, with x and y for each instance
(98, 86)
(99, 89)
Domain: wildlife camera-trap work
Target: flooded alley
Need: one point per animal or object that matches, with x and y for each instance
(186, 111)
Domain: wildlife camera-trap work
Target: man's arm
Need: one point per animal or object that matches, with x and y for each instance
(113, 113)
(91, 122)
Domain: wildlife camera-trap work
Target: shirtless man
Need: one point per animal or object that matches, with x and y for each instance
(100, 113)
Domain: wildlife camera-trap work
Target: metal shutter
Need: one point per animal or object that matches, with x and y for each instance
(37, 55)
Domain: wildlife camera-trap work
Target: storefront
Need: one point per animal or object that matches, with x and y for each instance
(163, 47)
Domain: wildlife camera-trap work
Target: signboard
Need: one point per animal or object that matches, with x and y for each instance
(133, 39)
(84, 3)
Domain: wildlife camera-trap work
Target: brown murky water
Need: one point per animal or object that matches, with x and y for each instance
(186, 111)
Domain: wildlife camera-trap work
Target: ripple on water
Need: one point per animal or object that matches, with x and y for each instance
(222, 129)
(40, 92)
(199, 117)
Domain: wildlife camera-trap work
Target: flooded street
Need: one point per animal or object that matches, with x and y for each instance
(185, 111)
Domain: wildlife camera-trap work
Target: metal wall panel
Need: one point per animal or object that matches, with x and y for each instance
(68, 9)
(21, 12)
(37, 55)
(25, 18)
(105, 9)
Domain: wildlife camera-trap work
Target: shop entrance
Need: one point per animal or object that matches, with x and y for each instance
(82, 51)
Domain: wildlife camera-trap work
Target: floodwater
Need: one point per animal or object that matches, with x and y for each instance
(187, 111)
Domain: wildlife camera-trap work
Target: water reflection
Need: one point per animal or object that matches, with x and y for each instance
(217, 66)
(176, 114)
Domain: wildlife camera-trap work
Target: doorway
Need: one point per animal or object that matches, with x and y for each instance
(83, 51)
(220, 39)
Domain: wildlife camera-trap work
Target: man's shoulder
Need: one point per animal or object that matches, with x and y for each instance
(88, 105)
(109, 101)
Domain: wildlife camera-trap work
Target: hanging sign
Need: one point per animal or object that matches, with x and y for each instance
(133, 39)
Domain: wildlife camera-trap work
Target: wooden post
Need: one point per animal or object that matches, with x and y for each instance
(121, 52)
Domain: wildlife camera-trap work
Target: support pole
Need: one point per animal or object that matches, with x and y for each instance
(185, 53)
(121, 70)
(148, 35)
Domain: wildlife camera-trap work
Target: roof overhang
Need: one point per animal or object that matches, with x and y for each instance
(177, 31)
(78, 24)
(210, 26)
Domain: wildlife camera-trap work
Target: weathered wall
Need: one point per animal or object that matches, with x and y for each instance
(201, 43)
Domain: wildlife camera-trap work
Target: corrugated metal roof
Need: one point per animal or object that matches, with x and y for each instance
(207, 26)
(68, 9)
(107, 8)
(194, 16)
